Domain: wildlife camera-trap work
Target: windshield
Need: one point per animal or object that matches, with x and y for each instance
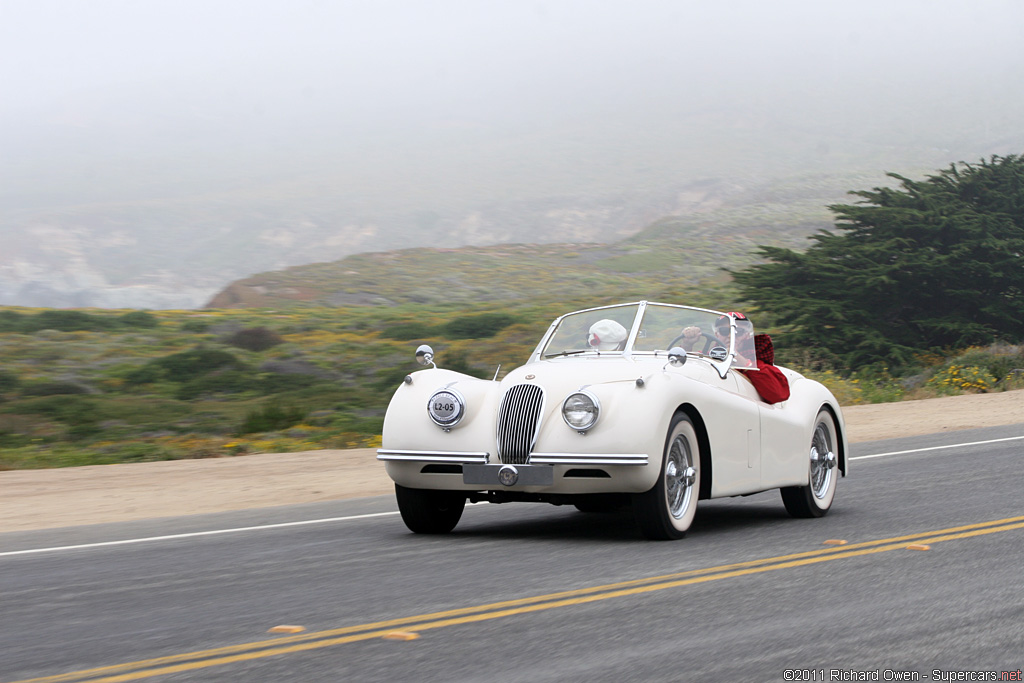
(601, 330)
(606, 331)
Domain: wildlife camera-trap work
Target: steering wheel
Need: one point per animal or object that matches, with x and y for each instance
(709, 341)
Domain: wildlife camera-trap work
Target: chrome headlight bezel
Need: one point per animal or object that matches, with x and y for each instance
(451, 410)
(594, 410)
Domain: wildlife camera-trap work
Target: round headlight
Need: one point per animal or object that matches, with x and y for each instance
(446, 407)
(581, 410)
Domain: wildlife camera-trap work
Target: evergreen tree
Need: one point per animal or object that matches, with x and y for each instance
(932, 264)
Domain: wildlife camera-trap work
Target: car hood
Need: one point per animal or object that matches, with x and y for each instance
(572, 373)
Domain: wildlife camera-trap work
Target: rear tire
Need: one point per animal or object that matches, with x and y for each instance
(815, 499)
(427, 511)
(666, 511)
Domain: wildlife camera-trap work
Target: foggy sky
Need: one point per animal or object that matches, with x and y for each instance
(405, 61)
(202, 90)
(380, 112)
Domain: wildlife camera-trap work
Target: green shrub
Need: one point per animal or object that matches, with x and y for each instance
(197, 362)
(255, 339)
(271, 418)
(879, 386)
(8, 381)
(998, 360)
(9, 439)
(457, 362)
(274, 383)
(222, 382)
(142, 451)
(67, 321)
(409, 332)
(388, 379)
(53, 389)
(362, 425)
(184, 366)
(197, 326)
(69, 409)
(146, 374)
(956, 379)
(141, 319)
(234, 382)
(479, 326)
(11, 321)
(82, 431)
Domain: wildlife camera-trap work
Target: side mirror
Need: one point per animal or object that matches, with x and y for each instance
(425, 355)
(676, 356)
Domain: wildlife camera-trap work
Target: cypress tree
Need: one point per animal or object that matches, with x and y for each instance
(930, 264)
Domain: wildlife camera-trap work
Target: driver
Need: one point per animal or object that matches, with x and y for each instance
(607, 335)
(744, 341)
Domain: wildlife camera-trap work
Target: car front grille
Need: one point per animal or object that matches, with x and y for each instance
(518, 423)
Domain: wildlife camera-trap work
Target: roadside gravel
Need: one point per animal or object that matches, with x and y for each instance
(40, 499)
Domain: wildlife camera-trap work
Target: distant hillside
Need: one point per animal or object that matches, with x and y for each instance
(719, 226)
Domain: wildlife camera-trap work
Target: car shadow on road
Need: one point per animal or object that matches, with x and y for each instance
(738, 516)
(719, 517)
(550, 522)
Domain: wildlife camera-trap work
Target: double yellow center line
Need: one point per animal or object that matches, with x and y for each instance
(202, 659)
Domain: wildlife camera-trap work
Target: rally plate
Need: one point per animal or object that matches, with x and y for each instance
(502, 475)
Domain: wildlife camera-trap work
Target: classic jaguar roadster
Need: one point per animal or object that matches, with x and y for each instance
(644, 404)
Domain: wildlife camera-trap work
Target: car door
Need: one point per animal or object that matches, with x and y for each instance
(734, 429)
(782, 429)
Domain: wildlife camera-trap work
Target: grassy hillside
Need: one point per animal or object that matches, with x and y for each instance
(84, 387)
(187, 384)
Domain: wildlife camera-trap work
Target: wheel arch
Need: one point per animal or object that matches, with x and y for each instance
(706, 467)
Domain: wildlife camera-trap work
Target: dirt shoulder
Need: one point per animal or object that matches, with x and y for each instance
(40, 499)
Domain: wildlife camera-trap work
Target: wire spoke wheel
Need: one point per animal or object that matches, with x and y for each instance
(666, 511)
(822, 462)
(679, 476)
(815, 499)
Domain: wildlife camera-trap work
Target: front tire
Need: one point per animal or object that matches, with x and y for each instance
(815, 499)
(666, 511)
(426, 511)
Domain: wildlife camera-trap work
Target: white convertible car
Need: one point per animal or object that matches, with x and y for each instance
(642, 403)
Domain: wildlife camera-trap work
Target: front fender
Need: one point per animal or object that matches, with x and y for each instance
(407, 426)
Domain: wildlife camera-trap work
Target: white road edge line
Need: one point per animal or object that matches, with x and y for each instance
(386, 514)
(937, 448)
(195, 533)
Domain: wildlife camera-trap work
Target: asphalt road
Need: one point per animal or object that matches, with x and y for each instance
(537, 593)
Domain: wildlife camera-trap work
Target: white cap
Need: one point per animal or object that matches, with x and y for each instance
(606, 335)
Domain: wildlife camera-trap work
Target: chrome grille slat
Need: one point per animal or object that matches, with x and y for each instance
(518, 420)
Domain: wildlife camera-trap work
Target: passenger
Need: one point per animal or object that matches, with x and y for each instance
(607, 335)
(772, 386)
(745, 354)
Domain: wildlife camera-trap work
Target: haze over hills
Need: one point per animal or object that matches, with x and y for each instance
(175, 249)
(184, 146)
(717, 225)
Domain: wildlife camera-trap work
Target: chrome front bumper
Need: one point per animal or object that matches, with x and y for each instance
(448, 458)
(483, 458)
